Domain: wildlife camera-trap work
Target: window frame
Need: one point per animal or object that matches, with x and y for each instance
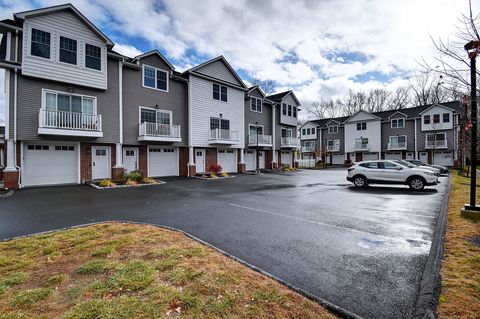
(425, 121)
(220, 94)
(434, 116)
(286, 129)
(435, 135)
(167, 73)
(290, 110)
(156, 117)
(257, 100)
(253, 125)
(363, 126)
(85, 57)
(44, 100)
(396, 121)
(333, 126)
(334, 141)
(284, 109)
(443, 117)
(304, 131)
(396, 136)
(59, 51)
(219, 123)
(30, 32)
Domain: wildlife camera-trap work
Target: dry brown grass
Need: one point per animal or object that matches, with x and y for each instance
(460, 297)
(119, 270)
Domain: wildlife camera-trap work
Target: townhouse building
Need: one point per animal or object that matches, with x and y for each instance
(76, 110)
(428, 133)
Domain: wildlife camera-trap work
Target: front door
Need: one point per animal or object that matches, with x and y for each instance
(200, 161)
(423, 157)
(358, 157)
(130, 159)
(261, 160)
(101, 162)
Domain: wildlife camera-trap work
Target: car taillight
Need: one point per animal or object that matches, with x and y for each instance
(351, 169)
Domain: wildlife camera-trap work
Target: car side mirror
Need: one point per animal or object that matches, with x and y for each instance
(399, 168)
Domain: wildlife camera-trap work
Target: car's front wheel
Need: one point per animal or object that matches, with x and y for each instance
(416, 183)
(359, 181)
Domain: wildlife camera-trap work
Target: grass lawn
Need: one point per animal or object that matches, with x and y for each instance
(460, 297)
(119, 270)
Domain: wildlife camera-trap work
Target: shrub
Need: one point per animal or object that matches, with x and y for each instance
(130, 182)
(215, 169)
(224, 175)
(107, 183)
(149, 180)
(287, 168)
(121, 178)
(136, 176)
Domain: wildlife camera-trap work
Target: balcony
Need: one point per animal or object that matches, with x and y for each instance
(438, 144)
(333, 148)
(397, 146)
(361, 147)
(289, 142)
(61, 123)
(225, 137)
(308, 149)
(159, 132)
(263, 140)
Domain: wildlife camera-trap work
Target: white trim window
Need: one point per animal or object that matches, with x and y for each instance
(333, 145)
(446, 117)
(397, 123)
(67, 50)
(254, 129)
(219, 123)
(286, 132)
(434, 140)
(40, 43)
(155, 78)
(93, 57)
(219, 92)
(151, 115)
(397, 141)
(66, 102)
(256, 104)
(333, 129)
(362, 126)
(284, 109)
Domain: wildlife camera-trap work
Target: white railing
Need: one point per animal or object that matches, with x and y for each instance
(361, 146)
(290, 142)
(262, 139)
(436, 144)
(69, 120)
(226, 135)
(397, 146)
(159, 130)
(333, 148)
(308, 149)
(308, 162)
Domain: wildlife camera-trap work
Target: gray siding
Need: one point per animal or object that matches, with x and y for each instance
(408, 130)
(30, 101)
(264, 118)
(422, 135)
(339, 136)
(135, 95)
(10, 120)
(219, 70)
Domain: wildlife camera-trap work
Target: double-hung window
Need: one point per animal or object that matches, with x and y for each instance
(289, 110)
(40, 45)
(93, 57)
(446, 117)
(426, 119)
(436, 118)
(256, 104)
(219, 92)
(398, 123)
(303, 131)
(333, 129)
(155, 78)
(294, 111)
(284, 109)
(68, 50)
(361, 126)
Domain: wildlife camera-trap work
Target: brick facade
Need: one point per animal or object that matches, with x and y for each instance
(10, 180)
(183, 161)
(211, 157)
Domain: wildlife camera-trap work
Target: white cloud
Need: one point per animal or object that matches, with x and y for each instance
(128, 50)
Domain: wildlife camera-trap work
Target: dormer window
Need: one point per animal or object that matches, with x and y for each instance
(256, 105)
(333, 129)
(40, 44)
(93, 57)
(398, 123)
(155, 78)
(446, 117)
(68, 50)
(219, 92)
(362, 126)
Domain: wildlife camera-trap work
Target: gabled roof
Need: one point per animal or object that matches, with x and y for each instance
(434, 105)
(64, 7)
(278, 97)
(143, 55)
(398, 112)
(362, 111)
(253, 88)
(218, 58)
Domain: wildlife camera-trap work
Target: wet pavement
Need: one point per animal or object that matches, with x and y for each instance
(361, 249)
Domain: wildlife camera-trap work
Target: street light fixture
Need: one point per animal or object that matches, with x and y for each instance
(472, 48)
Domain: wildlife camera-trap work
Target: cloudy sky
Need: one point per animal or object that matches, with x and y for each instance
(319, 48)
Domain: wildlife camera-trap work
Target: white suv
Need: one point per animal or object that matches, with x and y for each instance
(389, 172)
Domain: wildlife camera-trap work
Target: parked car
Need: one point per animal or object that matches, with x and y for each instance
(389, 172)
(443, 169)
(427, 168)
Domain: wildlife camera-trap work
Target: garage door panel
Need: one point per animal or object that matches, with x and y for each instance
(227, 159)
(443, 158)
(370, 156)
(49, 164)
(250, 160)
(162, 161)
(393, 156)
(338, 159)
(286, 157)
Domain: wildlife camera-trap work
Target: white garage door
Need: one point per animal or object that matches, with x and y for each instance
(409, 155)
(338, 159)
(423, 156)
(227, 159)
(162, 161)
(250, 160)
(370, 156)
(50, 164)
(443, 158)
(393, 156)
(286, 157)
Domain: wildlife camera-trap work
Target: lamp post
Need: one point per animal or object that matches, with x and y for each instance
(472, 48)
(257, 170)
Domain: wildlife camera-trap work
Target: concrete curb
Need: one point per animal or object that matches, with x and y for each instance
(431, 284)
(326, 304)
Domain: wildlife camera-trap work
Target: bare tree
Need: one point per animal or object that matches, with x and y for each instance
(354, 101)
(377, 100)
(267, 86)
(400, 99)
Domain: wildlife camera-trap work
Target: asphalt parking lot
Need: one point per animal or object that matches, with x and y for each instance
(361, 249)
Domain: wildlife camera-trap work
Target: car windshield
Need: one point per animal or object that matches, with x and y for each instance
(403, 163)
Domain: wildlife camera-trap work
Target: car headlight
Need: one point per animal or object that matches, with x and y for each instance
(430, 174)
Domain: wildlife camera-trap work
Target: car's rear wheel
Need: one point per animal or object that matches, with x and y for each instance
(416, 183)
(359, 181)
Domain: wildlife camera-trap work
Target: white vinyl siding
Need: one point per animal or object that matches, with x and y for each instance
(63, 24)
(219, 70)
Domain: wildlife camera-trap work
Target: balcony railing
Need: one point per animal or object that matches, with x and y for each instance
(159, 132)
(361, 147)
(436, 144)
(263, 140)
(397, 146)
(52, 122)
(219, 136)
(289, 142)
(308, 149)
(333, 148)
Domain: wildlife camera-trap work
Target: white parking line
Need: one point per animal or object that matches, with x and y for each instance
(316, 222)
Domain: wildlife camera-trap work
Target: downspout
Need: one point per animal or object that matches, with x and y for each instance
(274, 155)
(189, 124)
(415, 140)
(118, 146)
